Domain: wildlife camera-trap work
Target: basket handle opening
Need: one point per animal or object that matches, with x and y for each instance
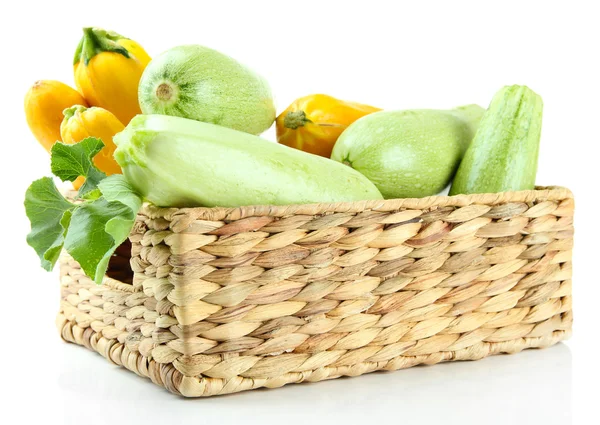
(119, 266)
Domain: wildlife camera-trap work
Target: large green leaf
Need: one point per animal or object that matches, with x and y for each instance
(49, 214)
(91, 229)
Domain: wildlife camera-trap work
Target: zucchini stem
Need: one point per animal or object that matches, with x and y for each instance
(95, 41)
(295, 119)
(164, 92)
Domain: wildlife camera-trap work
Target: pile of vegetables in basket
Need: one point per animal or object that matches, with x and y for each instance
(181, 130)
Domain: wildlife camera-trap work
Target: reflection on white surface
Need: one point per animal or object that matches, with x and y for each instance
(531, 387)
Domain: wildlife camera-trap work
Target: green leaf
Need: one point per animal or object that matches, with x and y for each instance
(117, 188)
(71, 161)
(98, 227)
(89, 230)
(92, 194)
(49, 214)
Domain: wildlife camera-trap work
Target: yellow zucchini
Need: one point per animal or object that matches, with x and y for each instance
(44, 105)
(108, 68)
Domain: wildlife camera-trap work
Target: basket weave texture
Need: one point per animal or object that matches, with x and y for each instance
(231, 299)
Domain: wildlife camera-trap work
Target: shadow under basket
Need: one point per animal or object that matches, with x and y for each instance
(208, 301)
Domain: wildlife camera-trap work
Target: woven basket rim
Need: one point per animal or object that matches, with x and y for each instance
(550, 193)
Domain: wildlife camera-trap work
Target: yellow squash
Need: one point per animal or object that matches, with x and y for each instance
(314, 123)
(80, 122)
(44, 105)
(108, 68)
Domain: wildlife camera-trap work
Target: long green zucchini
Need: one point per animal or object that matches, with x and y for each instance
(504, 152)
(173, 161)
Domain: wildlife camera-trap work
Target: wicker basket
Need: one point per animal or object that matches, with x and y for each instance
(230, 299)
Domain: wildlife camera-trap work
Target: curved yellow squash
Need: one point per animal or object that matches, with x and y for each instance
(314, 123)
(108, 68)
(44, 105)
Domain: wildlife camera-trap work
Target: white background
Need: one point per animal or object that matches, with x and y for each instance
(394, 55)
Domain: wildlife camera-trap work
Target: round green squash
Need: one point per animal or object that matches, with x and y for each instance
(202, 84)
(408, 154)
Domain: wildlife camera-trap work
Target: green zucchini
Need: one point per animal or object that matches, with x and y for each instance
(503, 155)
(409, 154)
(202, 84)
(173, 161)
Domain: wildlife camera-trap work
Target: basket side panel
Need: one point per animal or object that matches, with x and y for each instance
(129, 324)
(263, 301)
